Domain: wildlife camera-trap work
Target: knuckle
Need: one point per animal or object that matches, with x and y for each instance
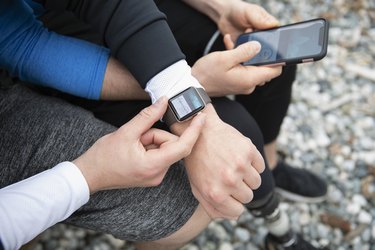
(216, 196)
(240, 162)
(186, 150)
(146, 112)
(249, 91)
(229, 179)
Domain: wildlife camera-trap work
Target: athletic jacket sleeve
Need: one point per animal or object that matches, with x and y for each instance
(29, 207)
(28, 50)
(135, 31)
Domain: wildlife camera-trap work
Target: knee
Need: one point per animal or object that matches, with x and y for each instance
(195, 225)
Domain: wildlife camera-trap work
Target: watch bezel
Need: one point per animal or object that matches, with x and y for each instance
(191, 113)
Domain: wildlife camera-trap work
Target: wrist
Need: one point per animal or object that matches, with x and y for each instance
(171, 81)
(211, 118)
(88, 173)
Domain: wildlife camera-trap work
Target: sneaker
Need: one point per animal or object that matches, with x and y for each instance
(299, 185)
(291, 241)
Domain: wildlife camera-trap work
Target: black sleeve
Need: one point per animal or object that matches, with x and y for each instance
(135, 31)
(1, 245)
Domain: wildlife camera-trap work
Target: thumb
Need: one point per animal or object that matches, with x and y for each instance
(244, 52)
(144, 120)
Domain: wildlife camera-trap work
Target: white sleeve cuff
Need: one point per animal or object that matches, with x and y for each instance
(30, 206)
(171, 81)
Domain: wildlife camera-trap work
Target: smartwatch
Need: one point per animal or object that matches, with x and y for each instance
(185, 105)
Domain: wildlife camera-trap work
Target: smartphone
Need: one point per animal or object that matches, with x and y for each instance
(289, 44)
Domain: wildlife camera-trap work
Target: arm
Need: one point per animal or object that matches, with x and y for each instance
(70, 65)
(229, 76)
(31, 52)
(154, 64)
(136, 32)
(119, 84)
(138, 157)
(45, 205)
(235, 16)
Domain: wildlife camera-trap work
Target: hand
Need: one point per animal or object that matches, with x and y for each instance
(221, 73)
(135, 155)
(237, 16)
(223, 168)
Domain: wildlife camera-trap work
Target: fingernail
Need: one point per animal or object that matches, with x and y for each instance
(272, 19)
(160, 101)
(257, 46)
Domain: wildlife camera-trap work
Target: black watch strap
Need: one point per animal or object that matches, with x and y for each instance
(169, 117)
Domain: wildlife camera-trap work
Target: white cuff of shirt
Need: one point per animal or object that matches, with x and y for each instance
(30, 206)
(171, 81)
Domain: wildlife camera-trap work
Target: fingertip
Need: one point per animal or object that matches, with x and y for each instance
(228, 42)
(162, 100)
(256, 46)
(271, 20)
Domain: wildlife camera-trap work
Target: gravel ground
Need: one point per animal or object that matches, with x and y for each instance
(330, 130)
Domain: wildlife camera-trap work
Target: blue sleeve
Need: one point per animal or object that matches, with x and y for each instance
(34, 54)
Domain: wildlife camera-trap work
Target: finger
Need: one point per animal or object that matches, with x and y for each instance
(252, 178)
(243, 193)
(249, 30)
(228, 42)
(257, 161)
(176, 150)
(233, 210)
(211, 211)
(157, 137)
(261, 84)
(231, 207)
(259, 18)
(243, 52)
(146, 118)
(256, 74)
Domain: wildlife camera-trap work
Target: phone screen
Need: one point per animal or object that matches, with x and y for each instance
(299, 41)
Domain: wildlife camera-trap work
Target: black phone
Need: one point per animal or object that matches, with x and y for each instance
(295, 43)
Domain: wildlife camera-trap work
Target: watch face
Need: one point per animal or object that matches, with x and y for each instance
(186, 104)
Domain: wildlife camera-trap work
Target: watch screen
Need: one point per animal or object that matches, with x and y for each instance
(186, 104)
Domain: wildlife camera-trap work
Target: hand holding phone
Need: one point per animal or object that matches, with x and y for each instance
(289, 44)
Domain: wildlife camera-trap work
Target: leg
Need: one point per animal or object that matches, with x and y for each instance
(49, 131)
(269, 104)
(191, 229)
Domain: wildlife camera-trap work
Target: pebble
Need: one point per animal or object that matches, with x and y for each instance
(329, 129)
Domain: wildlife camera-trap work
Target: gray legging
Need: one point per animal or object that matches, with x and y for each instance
(37, 132)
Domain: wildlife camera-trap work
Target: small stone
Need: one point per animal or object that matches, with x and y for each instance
(335, 221)
(242, 234)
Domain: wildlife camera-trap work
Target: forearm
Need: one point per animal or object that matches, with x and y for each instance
(135, 31)
(119, 84)
(34, 54)
(211, 8)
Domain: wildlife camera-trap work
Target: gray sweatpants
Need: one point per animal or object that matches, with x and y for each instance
(37, 132)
